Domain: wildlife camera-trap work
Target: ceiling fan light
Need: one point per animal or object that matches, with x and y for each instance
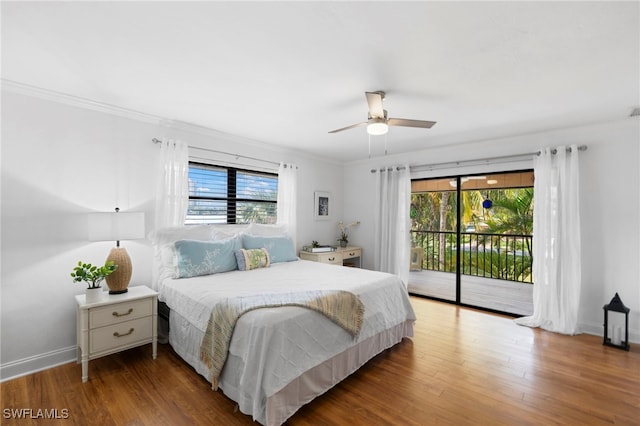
(377, 126)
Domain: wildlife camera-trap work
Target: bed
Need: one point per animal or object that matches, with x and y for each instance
(279, 358)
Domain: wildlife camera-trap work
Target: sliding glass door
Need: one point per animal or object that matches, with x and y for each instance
(473, 235)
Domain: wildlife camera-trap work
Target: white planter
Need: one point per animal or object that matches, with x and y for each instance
(93, 295)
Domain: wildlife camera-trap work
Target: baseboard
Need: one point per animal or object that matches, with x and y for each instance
(22, 367)
(590, 328)
(598, 330)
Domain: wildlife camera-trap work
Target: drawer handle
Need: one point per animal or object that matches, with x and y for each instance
(331, 259)
(116, 314)
(352, 254)
(116, 334)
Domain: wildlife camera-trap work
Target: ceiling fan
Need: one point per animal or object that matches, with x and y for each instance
(378, 123)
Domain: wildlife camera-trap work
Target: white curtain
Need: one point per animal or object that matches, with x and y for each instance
(287, 197)
(556, 242)
(392, 223)
(172, 196)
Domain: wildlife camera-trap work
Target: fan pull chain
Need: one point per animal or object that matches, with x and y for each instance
(385, 144)
(369, 146)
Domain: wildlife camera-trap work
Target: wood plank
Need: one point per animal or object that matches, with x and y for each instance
(463, 366)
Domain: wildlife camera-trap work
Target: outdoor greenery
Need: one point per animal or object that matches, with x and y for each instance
(220, 194)
(205, 211)
(495, 242)
(253, 212)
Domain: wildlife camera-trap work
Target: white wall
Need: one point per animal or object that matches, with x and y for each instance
(610, 204)
(61, 161)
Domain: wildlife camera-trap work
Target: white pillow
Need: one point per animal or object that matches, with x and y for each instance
(223, 232)
(263, 230)
(160, 237)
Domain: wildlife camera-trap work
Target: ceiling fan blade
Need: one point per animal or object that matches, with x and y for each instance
(374, 99)
(410, 123)
(348, 127)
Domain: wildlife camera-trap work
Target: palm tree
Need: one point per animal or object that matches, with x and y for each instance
(512, 214)
(430, 211)
(256, 212)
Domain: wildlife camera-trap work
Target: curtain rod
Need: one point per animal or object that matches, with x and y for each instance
(156, 141)
(478, 160)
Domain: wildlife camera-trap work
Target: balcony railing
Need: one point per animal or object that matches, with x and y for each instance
(498, 256)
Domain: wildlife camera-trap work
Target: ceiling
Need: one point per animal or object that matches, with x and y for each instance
(285, 73)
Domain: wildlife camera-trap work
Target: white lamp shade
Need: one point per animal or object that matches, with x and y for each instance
(116, 226)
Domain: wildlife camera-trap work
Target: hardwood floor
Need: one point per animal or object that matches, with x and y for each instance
(462, 367)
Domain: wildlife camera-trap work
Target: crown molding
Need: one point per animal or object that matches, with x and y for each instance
(76, 101)
(85, 103)
(220, 135)
(167, 124)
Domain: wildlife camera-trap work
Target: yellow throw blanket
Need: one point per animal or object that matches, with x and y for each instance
(342, 307)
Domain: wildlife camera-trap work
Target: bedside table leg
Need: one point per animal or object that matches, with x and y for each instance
(85, 370)
(154, 325)
(84, 343)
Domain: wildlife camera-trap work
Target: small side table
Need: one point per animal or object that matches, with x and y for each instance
(346, 256)
(115, 323)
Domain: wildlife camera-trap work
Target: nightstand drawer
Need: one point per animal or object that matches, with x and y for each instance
(120, 312)
(351, 253)
(118, 335)
(346, 256)
(333, 258)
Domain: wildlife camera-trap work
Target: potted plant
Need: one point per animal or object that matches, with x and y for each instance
(344, 237)
(93, 277)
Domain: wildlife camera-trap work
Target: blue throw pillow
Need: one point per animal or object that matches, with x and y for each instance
(280, 248)
(196, 258)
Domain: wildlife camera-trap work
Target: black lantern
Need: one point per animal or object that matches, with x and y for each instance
(616, 305)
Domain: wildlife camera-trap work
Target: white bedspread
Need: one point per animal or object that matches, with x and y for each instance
(276, 345)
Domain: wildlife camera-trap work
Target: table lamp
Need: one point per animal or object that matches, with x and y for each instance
(117, 226)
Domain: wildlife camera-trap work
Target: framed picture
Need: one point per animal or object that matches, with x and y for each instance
(322, 205)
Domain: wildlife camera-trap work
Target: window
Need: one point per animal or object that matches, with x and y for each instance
(219, 194)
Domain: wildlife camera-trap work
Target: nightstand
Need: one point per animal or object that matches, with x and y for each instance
(115, 323)
(346, 256)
